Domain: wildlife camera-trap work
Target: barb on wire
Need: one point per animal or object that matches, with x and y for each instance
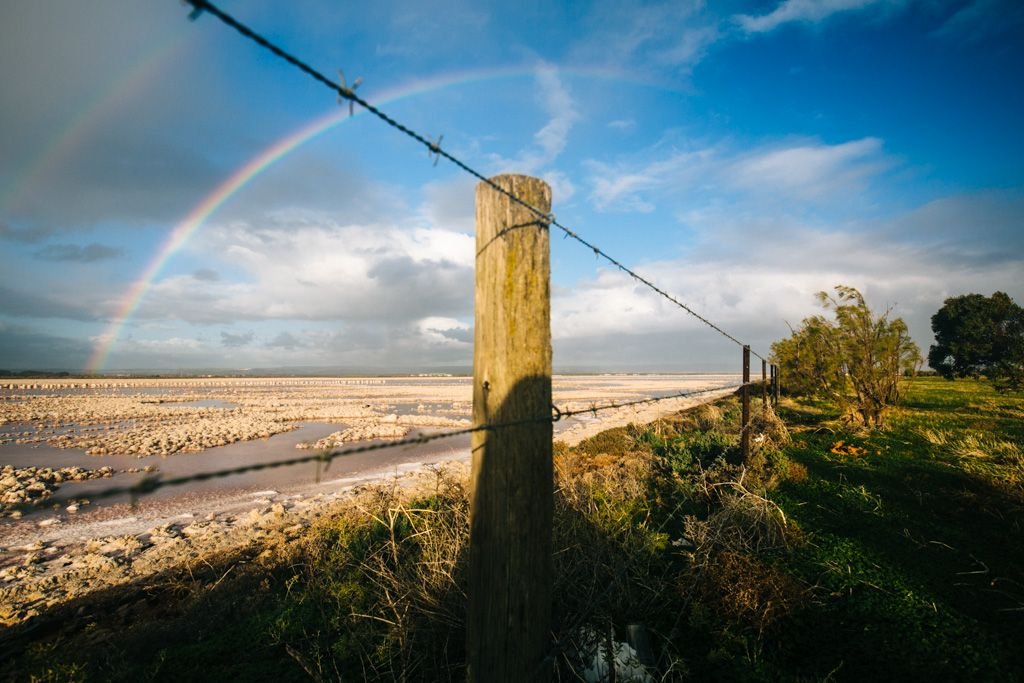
(565, 413)
(746, 427)
(344, 87)
(435, 150)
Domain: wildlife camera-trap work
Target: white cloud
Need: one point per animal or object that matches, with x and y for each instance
(809, 170)
(562, 188)
(441, 331)
(450, 204)
(638, 37)
(324, 271)
(751, 274)
(775, 285)
(804, 11)
(551, 139)
(690, 47)
(804, 170)
(559, 104)
(630, 187)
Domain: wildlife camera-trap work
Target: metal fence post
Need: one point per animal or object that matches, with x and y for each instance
(776, 384)
(745, 419)
(764, 385)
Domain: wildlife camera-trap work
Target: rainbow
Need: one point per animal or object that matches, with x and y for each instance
(180, 234)
(185, 229)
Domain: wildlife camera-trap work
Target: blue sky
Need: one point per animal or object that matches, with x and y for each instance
(742, 155)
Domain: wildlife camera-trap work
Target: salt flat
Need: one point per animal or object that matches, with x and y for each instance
(144, 417)
(184, 426)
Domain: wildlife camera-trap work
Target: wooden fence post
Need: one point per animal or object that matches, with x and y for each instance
(764, 385)
(745, 431)
(509, 588)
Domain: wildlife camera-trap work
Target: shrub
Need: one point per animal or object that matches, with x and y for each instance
(858, 360)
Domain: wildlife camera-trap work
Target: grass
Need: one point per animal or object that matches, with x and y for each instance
(915, 553)
(839, 555)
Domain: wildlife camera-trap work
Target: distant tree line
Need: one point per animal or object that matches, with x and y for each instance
(34, 374)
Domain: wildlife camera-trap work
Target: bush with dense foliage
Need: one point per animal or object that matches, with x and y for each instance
(857, 360)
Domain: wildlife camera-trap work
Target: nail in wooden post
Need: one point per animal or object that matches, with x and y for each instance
(745, 419)
(509, 583)
(764, 384)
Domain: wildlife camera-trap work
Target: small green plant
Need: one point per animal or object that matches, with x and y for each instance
(684, 451)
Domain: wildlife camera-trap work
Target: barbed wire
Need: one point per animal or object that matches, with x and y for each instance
(563, 414)
(434, 149)
(153, 482)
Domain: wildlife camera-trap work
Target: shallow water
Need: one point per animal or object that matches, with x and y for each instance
(280, 447)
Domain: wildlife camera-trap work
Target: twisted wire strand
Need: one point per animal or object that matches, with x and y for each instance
(563, 414)
(435, 149)
(154, 482)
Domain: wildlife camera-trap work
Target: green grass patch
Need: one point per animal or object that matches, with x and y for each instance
(914, 549)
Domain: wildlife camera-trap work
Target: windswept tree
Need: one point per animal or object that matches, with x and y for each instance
(978, 336)
(857, 359)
